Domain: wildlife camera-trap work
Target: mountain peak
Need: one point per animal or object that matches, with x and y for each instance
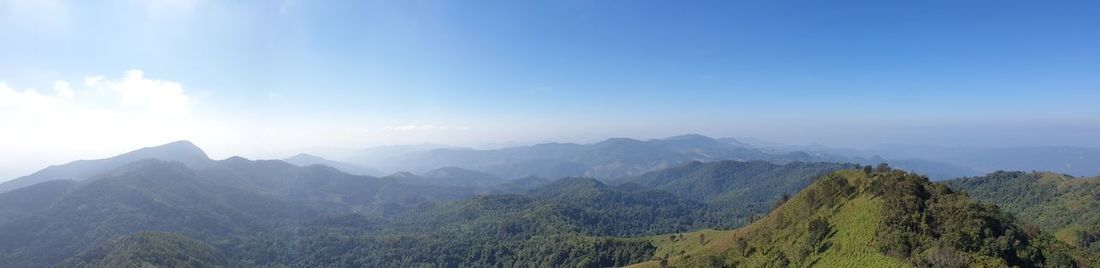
(620, 141)
(695, 137)
(182, 150)
(304, 157)
(402, 175)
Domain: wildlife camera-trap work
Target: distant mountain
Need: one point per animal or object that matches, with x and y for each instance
(1078, 161)
(521, 185)
(882, 219)
(742, 189)
(612, 158)
(181, 151)
(937, 171)
(304, 159)
(382, 154)
(448, 176)
(1061, 204)
(455, 176)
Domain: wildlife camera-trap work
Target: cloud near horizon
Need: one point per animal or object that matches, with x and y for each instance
(100, 114)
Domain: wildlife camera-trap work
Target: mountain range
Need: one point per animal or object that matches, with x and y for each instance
(616, 158)
(160, 211)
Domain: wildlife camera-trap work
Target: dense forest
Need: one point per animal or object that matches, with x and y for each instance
(1064, 205)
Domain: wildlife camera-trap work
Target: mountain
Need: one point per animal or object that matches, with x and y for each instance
(742, 189)
(609, 159)
(455, 176)
(1078, 161)
(225, 200)
(882, 218)
(238, 212)
(945, 162)
(448, 176)
(622, 157)
(146, 195)
(1064, 205)
(379, 154)
(304, 159)
(521, 185)
(181, 151)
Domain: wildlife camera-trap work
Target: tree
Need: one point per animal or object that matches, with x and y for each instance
(882, 168)
(782, 199)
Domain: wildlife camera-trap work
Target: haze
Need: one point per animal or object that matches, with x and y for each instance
(267, 79)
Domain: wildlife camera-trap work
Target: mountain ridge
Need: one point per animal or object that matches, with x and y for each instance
(182, 151)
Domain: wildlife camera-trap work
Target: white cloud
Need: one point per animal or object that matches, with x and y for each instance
(29, 105)
(158, 96)
(103, 115)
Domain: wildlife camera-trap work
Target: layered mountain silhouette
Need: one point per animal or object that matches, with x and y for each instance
(223, 199)
(304, 159)
(449, 176)
(238, 212)
(620, 157)
(181, 151)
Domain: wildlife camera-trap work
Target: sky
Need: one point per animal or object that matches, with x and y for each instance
(263, 79)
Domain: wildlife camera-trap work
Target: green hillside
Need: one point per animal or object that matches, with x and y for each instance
(1061, 204)
(886, 218)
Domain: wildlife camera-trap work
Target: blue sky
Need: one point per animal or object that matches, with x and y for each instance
(267, 77)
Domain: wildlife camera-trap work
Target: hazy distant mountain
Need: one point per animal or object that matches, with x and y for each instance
(455, 176)
(944, 162)
(382, 154)
(304, 159)
(935, 169)
(181, 151)
(448, 176)
(1077, 161)
(521, 185)
(608, 159)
